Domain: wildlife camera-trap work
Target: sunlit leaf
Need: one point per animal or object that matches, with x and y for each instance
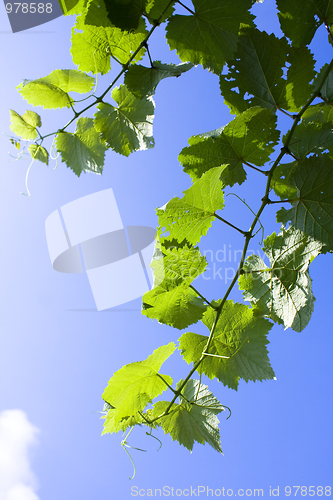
(82, 151)
(25, 126)
(209, 36)
(312, 211)
(238, 349)
(128, 127)
(282, 290)
(194, 419)
(250, 137)
(134, 385)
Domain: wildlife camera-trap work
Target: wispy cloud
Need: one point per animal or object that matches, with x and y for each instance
(17, 434)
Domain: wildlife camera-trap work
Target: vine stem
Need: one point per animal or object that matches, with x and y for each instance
(248, 236)
(187, 8)
(229, 224)
(265, 172)
(203, 298)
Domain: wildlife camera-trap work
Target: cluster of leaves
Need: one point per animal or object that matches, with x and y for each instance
(260, 75)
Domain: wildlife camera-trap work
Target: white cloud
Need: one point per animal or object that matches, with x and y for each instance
(17, 434)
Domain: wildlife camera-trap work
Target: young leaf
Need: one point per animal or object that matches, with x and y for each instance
(300, 19)
(190, 217)
(95, 39)
(255, 76)
(39, 153)
(209, 36)
(142, 81)
(238, 347)
(52, 91)
(194, 419)
(129, 127)
(250, 137)
(112, 425)
(283, 290)
(25, 126)
(312, 212)
(134, 385)
(172, 301)
(82, 151)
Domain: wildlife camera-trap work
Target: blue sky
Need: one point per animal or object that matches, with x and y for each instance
(57, 353)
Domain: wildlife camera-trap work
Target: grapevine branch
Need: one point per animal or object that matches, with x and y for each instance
(143, 44)
(248, 236)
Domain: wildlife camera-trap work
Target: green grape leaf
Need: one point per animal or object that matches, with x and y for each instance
(25, 126)
(282, 181)
(155, 10)
(39, 153)
(319, 114)
(298, 87)
(238, 349)
(326, 90)
(135, 385)
(128, 127)
(300, 19)
(209, 36)
(82, 151)
(191, 216)
(171, 301)
(282, 291)
(312, 212)
(311, 137)
(112, 425)
(125, 14)
(194, 419)
(250, 137)
(71, 7)
(142, 81)
(95, 39)
(52, 91)
(255, 76)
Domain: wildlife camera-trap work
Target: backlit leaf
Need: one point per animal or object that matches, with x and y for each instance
(82, 151)
(25, 126)
(128, 127)
(142, 81)
(52, 90)
(250, 137)
(255, 76)
(134, 385)
(282, 290)
(300, 19)
(95, 39)
(194, 419)
(39, 153)
(312, 212)
(209, 36)
(125, 14)
(172, 301)
(238, 349)
(159, 10)
(191, 216)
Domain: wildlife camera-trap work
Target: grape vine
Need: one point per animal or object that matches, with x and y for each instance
(260, 75)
